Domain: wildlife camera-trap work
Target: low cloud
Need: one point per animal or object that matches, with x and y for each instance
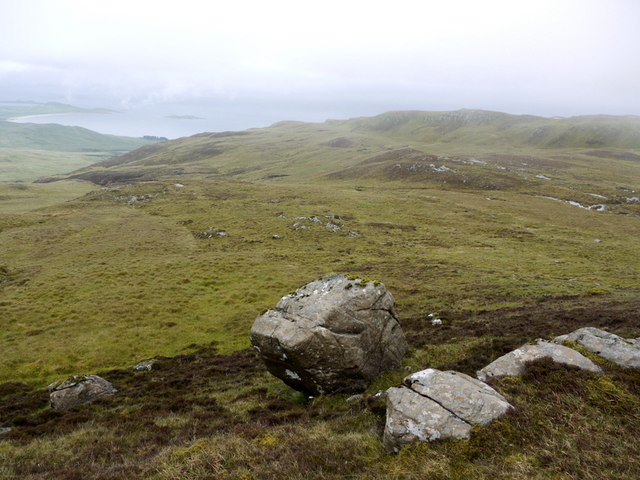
(549, 57)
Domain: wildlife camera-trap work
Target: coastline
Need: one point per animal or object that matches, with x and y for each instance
(25, 118)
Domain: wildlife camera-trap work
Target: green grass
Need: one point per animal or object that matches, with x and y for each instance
(28, 165)
(61, 138)
(93, 281)
(22, 198)
(30, 151)
(148, 269)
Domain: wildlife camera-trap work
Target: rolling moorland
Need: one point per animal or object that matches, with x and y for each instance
(508, 228)
(28, 150)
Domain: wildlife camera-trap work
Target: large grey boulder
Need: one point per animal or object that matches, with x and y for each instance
(513, 364)
(79, 390)
(439, 405)
(332, 335)
(624, 352)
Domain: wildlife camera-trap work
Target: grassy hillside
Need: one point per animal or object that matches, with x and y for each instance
(464, 140)
(505, 242)
(61, 138)
(495, 129)
(29, 151)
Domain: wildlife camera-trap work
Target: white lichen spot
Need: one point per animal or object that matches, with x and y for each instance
(291, 374)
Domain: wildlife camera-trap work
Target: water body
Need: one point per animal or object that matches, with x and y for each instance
(160, 119)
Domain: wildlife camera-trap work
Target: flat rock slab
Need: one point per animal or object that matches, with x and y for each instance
(332, 335)
(622, 351)
(470, 399)
(438, 405)
(79, 390)
(513, 364)
(412, 417)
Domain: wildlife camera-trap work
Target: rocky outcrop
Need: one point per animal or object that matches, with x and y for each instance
(438, 405)
(624, 352)
(332, 335)
(514, 363)
(79, 390)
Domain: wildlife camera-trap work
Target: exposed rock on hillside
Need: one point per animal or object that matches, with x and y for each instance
(145, 365)
(439, 405)
(624, 352)
(79, 390)
(514, 363)
(331, 335)
(340, 142)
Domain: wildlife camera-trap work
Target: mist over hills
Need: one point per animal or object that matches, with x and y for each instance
(384, 147)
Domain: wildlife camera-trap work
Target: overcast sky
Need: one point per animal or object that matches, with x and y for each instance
(548, 57)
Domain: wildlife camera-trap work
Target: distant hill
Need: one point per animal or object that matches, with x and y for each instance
(26, 108)
(29, 151)
(479, 127)
(62, 138)
(460, 140)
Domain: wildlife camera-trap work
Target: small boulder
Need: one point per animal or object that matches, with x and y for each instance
(79, 390)
(513, 364)
(439, 405)
(622, 351)
(333, 335)
(145, 365)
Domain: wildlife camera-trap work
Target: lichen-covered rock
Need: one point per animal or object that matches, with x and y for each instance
(331, 335)
(145, 365)
(624, 352)
(412, 417)
(470, 399)
(513, 364)
(79, 390)
(439, 405)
